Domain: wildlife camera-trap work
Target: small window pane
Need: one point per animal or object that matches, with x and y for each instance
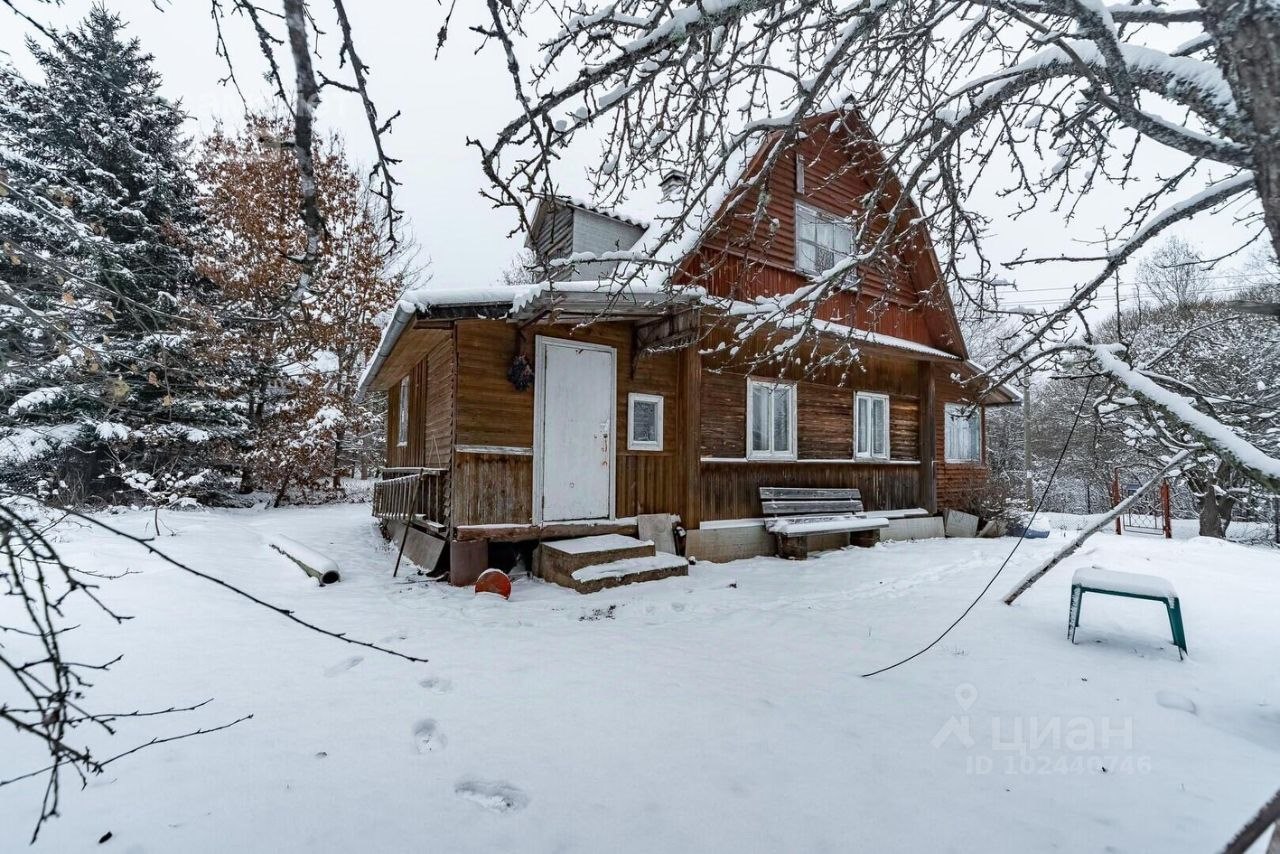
(760, 418)
(843, 239)
(863, 433)
(402, 416)
(877, 427)
(644, 421)
(805, 225)
(781, 419)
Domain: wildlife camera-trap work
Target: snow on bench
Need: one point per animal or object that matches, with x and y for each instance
(799, 511)
(906, 513)
(318, 566)
(1128, 583)
(794, 526)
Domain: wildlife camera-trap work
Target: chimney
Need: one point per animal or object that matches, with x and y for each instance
(673, 184)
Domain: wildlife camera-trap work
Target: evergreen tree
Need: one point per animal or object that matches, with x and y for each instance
(103, 385)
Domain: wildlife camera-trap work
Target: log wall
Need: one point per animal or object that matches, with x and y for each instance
(957, 483)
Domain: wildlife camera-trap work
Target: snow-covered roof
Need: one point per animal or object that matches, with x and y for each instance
(597, 298)
(612, 213)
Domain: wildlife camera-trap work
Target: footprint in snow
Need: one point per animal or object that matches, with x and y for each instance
(1178, 702)
(437, 684)
(343, 666)
(427, 736)
(495, 796)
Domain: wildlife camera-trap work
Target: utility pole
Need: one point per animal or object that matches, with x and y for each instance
(1026, 441)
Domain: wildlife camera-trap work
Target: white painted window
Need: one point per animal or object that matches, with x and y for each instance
(644, 422)
(963, 441)
(771, 420)
(402, 417)
(871, 426)
(822, 239)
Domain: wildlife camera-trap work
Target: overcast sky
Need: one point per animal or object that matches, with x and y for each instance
(443, 102)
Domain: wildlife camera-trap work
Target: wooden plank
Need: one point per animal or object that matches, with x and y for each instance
(928, 417)
(799, 492)
(689, 435)
(517, 533)
(731, 490)
(784, 508)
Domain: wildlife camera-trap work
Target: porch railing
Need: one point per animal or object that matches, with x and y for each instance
(421, 495)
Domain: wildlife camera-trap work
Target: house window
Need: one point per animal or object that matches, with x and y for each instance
(644, 422)
(963, 433)
(402, 417)
(771, 420)
(871, 426)
(822, 240)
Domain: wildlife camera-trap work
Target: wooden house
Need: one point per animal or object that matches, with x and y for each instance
(572, 406)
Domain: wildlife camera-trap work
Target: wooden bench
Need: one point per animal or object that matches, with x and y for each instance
(793, 513)
(1131, 585)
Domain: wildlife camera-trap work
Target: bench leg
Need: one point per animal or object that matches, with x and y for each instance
(864, 539)
(1175, 624)
(792, 548)
(1077, 599)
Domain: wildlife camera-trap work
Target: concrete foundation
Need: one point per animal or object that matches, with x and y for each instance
(738, 540)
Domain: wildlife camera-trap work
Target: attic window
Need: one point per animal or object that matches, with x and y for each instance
(822, 240)
(402, 414)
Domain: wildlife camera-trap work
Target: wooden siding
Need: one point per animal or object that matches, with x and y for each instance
(824, 404)
(731, 490)
(554, 236)
(430, 435)
(957, 483)
(749, 256)
(498, 489)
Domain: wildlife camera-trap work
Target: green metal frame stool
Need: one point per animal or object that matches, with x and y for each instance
(1130, 585)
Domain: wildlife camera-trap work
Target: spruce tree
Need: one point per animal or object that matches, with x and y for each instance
(105, 387)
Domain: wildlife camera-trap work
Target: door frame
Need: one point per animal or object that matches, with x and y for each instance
(541, 343)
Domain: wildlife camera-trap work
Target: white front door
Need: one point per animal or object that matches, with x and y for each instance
(573, 442)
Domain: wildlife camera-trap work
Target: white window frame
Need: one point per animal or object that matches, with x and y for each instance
(402, 414)
(975, 418)
(788, 453)
(634, 444)
(869, 453)
(830, 219)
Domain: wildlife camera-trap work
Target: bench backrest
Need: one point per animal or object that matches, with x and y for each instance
(799, 501)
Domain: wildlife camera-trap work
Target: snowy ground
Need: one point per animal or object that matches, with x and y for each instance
(719, 712)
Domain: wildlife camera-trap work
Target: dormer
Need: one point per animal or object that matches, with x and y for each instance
(564, 226)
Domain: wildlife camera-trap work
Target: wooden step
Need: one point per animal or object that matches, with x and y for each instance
(558, 561)
(601, 576)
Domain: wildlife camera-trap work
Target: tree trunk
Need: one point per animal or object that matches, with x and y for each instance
(1215, 507)
(1247, 34)
(337, 458)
